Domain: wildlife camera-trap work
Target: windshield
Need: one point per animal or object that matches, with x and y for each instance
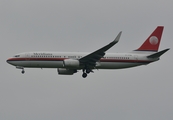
(17, 56)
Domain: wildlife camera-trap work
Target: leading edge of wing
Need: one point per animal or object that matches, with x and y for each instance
(93, 57)
(105, 48)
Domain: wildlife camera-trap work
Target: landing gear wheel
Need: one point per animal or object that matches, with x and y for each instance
(84, 75)
(88, 71)
(23, 72)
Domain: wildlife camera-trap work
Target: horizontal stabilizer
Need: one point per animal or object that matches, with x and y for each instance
(158, 54)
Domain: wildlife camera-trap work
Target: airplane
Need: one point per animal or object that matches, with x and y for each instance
(68, 63)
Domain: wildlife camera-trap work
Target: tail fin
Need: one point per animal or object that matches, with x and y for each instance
(153, 41)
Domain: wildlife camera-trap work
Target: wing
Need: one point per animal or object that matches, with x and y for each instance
(91, 59)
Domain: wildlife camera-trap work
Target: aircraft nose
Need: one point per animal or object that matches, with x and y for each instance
(12, 61)
(9, 60)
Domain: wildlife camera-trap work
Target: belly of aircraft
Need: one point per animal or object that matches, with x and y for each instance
(59, 64)
(117, 65)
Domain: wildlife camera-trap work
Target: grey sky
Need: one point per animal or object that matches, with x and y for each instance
(141, 93)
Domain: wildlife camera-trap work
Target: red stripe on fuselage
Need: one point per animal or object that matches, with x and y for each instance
(120, 60)
(61, 59)
(36, 59)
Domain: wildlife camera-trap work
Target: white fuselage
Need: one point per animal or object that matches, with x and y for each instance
(68, 63)
(55, 60)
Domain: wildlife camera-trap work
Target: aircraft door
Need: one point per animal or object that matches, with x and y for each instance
(135, 57)
(27, 57)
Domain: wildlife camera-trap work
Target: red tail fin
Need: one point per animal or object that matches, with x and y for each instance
(153, 41)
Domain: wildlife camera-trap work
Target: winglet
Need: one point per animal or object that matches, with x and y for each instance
(117, 38)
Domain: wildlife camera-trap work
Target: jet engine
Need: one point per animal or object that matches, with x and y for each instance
(64, 71)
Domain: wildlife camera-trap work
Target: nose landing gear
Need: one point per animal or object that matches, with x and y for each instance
(23, 71)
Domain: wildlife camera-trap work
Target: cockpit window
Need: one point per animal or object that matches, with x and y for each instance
(17, 56)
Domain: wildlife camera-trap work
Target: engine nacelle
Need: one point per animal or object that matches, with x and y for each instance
(71, 63)
(64, 71)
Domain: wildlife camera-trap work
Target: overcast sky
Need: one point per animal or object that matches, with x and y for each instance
(141, 93)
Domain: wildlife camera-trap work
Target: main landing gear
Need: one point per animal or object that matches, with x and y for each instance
(84, 75)
(86, 72)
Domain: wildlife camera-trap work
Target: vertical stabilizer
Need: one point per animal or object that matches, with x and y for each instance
(153, 41)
